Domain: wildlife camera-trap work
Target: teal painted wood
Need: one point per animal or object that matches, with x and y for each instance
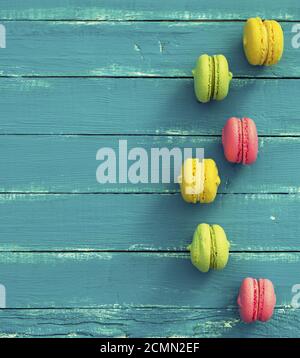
(126, 222)
(83, 280)
(131, 49)
(145, 10)
(68, 164)
(143, 322)
(142, 106)
(140, 294)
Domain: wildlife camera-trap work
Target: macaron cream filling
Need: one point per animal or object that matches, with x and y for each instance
(271, 42)
(240, 142)
(255, 300)
(261, 295)
(245, 149)
(213, 249)
(195, 196)
(216, 76)
(201, 196)
(264, 42)
(211, 74)
(211, 181)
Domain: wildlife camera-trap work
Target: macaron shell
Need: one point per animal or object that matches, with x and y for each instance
(200, 248)
(203, 78)
(279, 44)
(264, 46)
(211, 181)
(275, 42)
(247, 301)
(267, 300)
(222, 77)
(232, 140)
(255, 41)
(250, 141)
(222, 246)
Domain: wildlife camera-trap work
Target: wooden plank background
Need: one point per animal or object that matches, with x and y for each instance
(160, 49)
(144, 10)
(67, 164)
(119, 106)
(139, 279)
(81, 259)
(56, 222)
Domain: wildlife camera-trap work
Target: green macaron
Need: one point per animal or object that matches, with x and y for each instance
(211, 78)
(209, 248)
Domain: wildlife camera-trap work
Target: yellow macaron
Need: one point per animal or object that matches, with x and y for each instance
(263, 41)
(199, 180)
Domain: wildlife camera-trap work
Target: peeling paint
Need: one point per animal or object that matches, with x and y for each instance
(161, 47)
(287, 257)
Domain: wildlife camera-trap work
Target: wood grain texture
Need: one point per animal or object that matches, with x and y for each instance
(84, 280)
(143, 322)
(127, 222)
(68, 164)
(131, 49)
(142, 106)
(51, 129)
(145, 10)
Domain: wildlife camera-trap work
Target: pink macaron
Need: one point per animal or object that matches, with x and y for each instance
(240, 141)
(256, 300)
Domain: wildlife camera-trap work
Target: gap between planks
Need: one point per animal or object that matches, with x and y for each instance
(164, 253)
(143, 76)
(62, 20)
(135, 307)
(175, 192)
(137, 135)
(150, 251)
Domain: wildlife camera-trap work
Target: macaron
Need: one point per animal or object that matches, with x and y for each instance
(209, 248)
(256, 300)
(240, 141)
(211, 78)
(199, 180)
(263, 41)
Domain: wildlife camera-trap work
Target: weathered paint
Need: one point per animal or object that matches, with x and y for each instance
(64, 164)
(143, 322)
(85, 222)
(139, 293)
(143, 106)
(145, 10)
(83, 279)
(45, 48)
